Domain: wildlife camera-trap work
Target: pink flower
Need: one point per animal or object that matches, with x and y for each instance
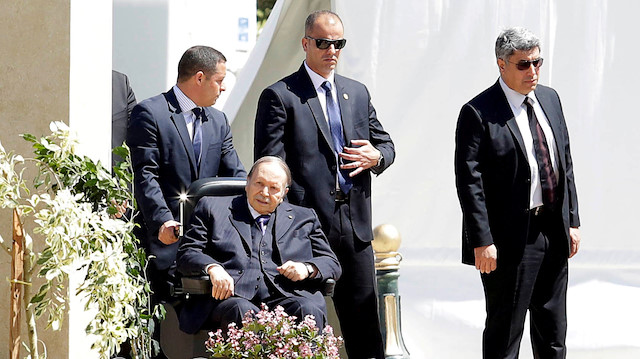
(274, 335)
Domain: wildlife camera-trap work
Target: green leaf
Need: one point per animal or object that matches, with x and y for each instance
(121, 152)
(45, 256)
(29, 137)
(44, 289)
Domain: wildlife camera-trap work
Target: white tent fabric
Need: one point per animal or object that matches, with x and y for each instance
(422, 60)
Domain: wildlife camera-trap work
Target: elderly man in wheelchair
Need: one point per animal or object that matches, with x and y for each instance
(255, 248)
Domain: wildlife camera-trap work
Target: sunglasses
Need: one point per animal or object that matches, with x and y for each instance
(526, 64)
(324, 44)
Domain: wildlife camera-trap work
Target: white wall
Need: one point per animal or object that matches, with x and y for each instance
(150, 36)
(90, 118)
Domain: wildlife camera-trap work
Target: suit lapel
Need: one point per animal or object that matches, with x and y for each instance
(314, 105)
(345, 112)
(284, 219)
(241, 220)
(504, 111)
(178, 120)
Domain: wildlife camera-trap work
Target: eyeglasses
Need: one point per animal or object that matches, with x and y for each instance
(526, 64)
(324, 44)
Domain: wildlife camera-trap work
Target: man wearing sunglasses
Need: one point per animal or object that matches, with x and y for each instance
(514, 176)
(324, 126)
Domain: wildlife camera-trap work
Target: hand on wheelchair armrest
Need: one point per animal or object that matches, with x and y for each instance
(201, 285)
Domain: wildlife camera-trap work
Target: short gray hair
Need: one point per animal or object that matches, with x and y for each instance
(278, 160)
(515, 39)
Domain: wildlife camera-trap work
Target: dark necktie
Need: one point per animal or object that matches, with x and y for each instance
(197, 132)
(548, 178)
(262, 221)
(335, 124)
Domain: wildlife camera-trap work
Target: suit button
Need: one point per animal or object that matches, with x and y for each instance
(256, 287)
(240, 272)
(333, 168)
(333, 192)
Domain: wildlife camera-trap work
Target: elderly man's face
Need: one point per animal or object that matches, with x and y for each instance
(522, 81)
(324, 61)
(266, 187)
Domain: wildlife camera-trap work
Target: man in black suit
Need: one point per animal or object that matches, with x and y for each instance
(255, 250)
(175, 139)
(122, 102)
(514, 176)
(325, 127)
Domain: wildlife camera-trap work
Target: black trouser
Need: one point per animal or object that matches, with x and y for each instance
(537, 283)
(233, 310)
(355, 295)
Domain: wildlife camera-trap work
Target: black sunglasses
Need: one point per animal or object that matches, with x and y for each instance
(324, 44)
(526, 64)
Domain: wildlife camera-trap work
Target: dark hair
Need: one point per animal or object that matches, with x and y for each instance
(199, 58)
(311, 19)
(275, 159)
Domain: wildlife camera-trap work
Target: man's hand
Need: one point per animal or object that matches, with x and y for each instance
(294, 271)
(486, 258)
(574, 234)
(120, 207)
(363, 157)
(166, 234)
(221, 283)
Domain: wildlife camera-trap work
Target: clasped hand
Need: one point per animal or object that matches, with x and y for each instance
(294, 271)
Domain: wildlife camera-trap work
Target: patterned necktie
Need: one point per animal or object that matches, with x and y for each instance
(548, 178)
(262, 221)
(335, 124)
(197, 133)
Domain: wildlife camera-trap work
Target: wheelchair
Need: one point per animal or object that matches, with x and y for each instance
(176, 344)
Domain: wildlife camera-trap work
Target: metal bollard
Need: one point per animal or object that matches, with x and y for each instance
(385, 245)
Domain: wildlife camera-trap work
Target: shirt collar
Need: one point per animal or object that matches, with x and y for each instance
(186, 104)
(254, 213)
(515, 98)
(318, 80)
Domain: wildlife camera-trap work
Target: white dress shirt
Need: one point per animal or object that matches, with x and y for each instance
(317, 81)
(186, 106)
(519, 109)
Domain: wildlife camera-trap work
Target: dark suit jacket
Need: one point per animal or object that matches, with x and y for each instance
(122, 102)
(290, 124)
(221, 233)
(493, 176)
(164, 164)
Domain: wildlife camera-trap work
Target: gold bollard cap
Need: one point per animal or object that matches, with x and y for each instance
(386, 241)
(386, 238)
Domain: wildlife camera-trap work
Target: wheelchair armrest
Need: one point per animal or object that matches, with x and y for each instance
(196, 285)
(200, 285)
(328, 286)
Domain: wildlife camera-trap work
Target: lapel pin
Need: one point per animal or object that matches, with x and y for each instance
(346, 97)
(290, 217)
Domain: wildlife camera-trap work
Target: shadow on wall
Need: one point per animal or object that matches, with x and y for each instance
(140, 38)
